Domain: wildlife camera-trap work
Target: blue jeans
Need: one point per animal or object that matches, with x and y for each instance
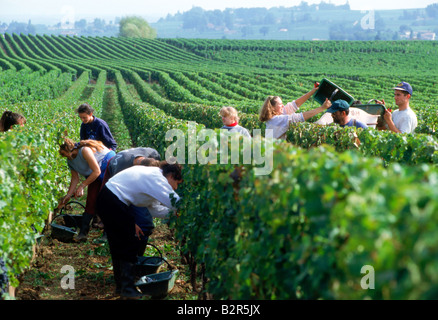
(104, 163)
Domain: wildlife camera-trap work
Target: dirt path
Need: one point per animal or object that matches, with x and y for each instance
(93, 270)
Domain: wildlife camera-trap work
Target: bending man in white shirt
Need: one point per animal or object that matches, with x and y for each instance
(139, 186)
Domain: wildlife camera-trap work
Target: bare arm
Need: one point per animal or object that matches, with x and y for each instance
(391, 125)
(309, 114)
(305, 97)
(71, 190)
(94, 166)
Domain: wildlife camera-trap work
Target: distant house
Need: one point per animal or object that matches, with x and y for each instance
(228, 31)
(405, 35)
(428, 36)
(68, 33)
(419, 35)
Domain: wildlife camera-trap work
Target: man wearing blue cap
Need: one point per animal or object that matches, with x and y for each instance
(340, 110)
(404, 119)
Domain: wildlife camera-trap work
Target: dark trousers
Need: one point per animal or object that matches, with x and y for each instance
(92, 192)
(119, 224)
(95, 186)
(144, 220)
(141, 246)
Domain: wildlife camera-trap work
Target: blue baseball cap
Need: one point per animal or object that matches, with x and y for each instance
(338, 105)
(404, 86)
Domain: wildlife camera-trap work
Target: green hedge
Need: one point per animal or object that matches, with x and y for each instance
(33, 176)
(391, 147)
(306, 230)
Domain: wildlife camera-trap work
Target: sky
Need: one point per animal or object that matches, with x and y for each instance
(52, 10)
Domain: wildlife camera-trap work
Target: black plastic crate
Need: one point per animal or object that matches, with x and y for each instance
(326, 90)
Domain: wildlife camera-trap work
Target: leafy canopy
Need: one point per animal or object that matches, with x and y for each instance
(136, 27)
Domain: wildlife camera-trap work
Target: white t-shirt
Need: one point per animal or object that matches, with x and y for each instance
(280, 124)
(143, 186)
(405, 120)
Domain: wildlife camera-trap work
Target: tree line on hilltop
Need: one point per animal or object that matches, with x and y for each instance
(302, 22)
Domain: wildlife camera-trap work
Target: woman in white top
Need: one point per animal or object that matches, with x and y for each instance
(140, 186)
(278, 117)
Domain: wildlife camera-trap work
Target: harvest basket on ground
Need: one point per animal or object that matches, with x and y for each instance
(66, 225)
(157, 285)
(149, 265)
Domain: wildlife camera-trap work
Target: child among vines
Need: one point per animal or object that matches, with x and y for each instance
(278, 117)
(230, 119)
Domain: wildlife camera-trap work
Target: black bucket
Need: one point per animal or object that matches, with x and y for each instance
(154, 284)
(149, 265)
(157, 285)
(72, 213)
(65, 225)
(63, 233)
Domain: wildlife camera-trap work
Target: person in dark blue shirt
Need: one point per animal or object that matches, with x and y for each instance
(93, 128)
(340, 110)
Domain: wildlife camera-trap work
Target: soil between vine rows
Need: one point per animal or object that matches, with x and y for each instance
(93, 269)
